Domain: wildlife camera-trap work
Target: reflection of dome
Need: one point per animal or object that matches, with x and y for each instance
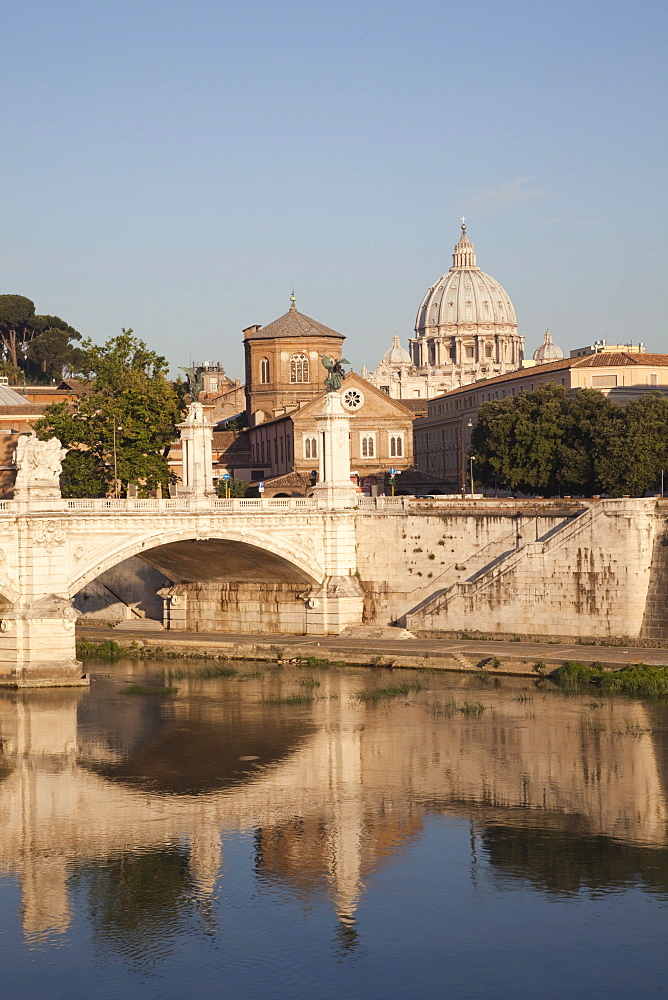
(396, 354)
(548, 351)
(464, 295)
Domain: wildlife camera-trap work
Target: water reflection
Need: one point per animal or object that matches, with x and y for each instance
(127, 799)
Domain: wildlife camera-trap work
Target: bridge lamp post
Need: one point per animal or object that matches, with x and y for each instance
(116, 428)
(471, 457)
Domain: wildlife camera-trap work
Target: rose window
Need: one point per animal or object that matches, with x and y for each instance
(352, 399)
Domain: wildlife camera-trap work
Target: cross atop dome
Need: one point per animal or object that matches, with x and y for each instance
(293, 301)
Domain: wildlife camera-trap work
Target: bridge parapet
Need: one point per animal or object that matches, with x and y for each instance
(187, 504)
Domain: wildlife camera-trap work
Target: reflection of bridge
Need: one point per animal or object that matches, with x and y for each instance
(50, 549)
(357, 778)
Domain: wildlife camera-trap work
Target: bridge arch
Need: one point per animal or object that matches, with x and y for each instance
(195, 555)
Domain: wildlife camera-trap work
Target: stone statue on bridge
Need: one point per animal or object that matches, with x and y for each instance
(336, 372)
(195, 383)
(38, 464)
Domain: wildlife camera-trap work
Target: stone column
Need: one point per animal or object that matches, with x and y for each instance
(334, 487)
(197, 461)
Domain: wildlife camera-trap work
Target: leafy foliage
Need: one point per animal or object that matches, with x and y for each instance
(551, 441)
(237, 487)
(126, 418)
(38, 347)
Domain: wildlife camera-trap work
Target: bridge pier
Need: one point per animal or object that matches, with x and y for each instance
(335, 604)
(38, 645)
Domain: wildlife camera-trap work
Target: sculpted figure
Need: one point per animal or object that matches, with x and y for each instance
(336, 372)
(38, 460)
(195, 383)
(195, 414)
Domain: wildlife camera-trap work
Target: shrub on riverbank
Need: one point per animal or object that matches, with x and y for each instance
(640, 679)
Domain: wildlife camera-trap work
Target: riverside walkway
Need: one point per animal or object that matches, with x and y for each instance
(464, 655)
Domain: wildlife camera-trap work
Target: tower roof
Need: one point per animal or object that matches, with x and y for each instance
(291, 324)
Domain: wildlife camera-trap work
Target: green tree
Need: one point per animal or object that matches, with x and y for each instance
(592, 423)
(237, 487)
(582, 442)
(518, 441)
(53, 354)
(639, 451)
(125, 420)
(20, 330)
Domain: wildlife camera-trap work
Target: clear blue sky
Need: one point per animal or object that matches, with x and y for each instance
(176, 167)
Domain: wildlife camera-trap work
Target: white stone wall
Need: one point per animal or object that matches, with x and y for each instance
(589, 579)
(404, 558)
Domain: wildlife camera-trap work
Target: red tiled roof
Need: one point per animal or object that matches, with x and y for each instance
(294, 480)
(27, 409)
(603, 360)
(293, 324)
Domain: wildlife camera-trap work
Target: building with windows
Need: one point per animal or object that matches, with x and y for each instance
(283, 367)
(465, 330)
(381, 435)
(442, 439)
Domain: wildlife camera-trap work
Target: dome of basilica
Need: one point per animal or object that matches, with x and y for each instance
(466, 326)
(465, 295)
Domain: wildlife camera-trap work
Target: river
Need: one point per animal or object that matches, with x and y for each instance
(330, 833)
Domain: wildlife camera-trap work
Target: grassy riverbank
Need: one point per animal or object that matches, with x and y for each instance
(638, 679)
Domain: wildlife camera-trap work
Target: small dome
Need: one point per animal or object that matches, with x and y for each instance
(548, 351)
(396, 354)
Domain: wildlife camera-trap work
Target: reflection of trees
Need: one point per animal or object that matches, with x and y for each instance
(556, 861)
(186, 750)
(136, 899)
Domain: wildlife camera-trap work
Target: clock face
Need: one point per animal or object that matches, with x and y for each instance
(353, 399)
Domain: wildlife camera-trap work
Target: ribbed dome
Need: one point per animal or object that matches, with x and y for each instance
(548, 351)
(396, 354)
(465, 295)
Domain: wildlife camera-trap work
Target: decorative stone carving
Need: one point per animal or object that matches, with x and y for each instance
(39, 464)
(49, 535)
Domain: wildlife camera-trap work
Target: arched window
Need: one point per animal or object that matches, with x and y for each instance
(368, 448)
(299, 368)
(264, 371)
(396, 447)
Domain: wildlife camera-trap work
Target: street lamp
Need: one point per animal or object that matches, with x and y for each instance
(115, 428)
(470, 428)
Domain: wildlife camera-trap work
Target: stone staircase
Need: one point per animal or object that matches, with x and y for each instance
(139, 625)
(419, 617)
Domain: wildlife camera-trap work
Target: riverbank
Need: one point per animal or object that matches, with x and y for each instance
(459, 655)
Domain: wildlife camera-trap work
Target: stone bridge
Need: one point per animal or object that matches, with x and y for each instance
(50, 550)
(577, 569)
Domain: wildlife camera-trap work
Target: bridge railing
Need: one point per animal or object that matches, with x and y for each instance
(99, 505)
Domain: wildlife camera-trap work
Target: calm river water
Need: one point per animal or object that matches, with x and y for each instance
(272, 835)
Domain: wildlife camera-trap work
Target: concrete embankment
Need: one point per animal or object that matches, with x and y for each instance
(464, 656)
